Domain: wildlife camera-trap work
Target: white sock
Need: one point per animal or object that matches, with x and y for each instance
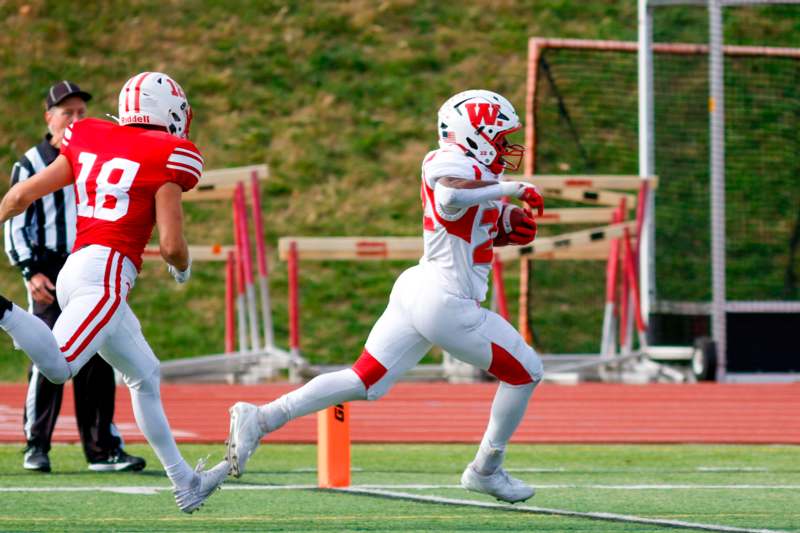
(34, 337)
(319, 393)
(181, 474)
(508, 408)
(150, 417)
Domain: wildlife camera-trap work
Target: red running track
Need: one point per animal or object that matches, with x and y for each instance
(435, 412)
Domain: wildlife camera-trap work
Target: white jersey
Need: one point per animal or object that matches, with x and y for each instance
(458, 244)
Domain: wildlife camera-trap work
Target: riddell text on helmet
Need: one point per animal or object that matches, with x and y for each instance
(135, 119)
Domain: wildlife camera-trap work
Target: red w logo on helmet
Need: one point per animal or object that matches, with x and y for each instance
(482, 112)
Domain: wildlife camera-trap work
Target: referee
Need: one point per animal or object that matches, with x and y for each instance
(38, 241)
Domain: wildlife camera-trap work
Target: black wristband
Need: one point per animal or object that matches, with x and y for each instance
(30, 267)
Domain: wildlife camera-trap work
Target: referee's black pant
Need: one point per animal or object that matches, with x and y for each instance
(95, 392)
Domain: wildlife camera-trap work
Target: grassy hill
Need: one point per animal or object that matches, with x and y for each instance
(339, 98)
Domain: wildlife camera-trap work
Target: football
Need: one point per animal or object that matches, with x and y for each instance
(515, 226)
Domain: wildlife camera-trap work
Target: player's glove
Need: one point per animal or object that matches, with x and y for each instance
(527, 192)
(181, 276)
(531, 196)
(524, 231)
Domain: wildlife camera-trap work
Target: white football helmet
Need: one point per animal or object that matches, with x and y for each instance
(478, 121)
(153, 98)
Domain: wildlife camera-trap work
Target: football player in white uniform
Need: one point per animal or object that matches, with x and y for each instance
(438, 300)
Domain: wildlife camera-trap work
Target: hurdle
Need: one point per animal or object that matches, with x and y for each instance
(592, 190)
(595, 243)
(200, 253)
(249, 342)
(592, 243)
(228, 185)
(597, 193)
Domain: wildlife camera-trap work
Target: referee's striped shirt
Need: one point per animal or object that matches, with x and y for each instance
(48, 225)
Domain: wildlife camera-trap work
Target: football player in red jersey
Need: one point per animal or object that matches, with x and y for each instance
(128, 177)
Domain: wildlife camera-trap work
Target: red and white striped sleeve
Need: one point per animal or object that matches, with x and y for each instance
(185, 165)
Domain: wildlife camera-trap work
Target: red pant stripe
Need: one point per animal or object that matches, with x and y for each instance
(106, 318)
(506, 368)
(369, 369)
(88, 320)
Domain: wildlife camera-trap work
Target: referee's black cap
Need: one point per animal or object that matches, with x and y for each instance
(63, 90)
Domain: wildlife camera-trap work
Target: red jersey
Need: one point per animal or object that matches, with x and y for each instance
(118, 170)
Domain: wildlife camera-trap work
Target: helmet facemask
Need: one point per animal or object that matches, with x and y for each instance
(509, 156)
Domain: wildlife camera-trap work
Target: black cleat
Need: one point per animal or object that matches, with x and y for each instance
(36, 459)
(118, 461)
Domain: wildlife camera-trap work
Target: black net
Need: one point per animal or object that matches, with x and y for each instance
(587, 122)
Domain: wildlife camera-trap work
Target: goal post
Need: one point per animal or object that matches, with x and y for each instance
(724, 240)
(718, 243)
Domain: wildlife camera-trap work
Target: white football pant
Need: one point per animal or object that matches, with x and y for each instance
(420, 314)
(92, 291)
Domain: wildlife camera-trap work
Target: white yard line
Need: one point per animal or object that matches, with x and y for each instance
(611, 517)
(723, 469)
(732, 469)
(681, 486)
(537, 470)
(389, 491)
(134, 489)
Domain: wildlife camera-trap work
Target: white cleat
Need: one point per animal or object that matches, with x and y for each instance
(244, 437)
(499, 484)
(191, 498)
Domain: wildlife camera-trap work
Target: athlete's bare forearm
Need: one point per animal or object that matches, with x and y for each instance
(169, 218)
(13, 204)
(56, 176)
(176, 254)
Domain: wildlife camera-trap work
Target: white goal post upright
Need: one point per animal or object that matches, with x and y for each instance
(716, 109)
(646, 156)
(716, 105)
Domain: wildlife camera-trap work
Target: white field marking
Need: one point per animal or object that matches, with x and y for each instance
(313, 469)
(597, 487)
(391, 486)
(684, 486)
(551, 470)
(732, 469)
(142, 491)
(151, 490)
(537, 470)
(610, 517)
(612, 470)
